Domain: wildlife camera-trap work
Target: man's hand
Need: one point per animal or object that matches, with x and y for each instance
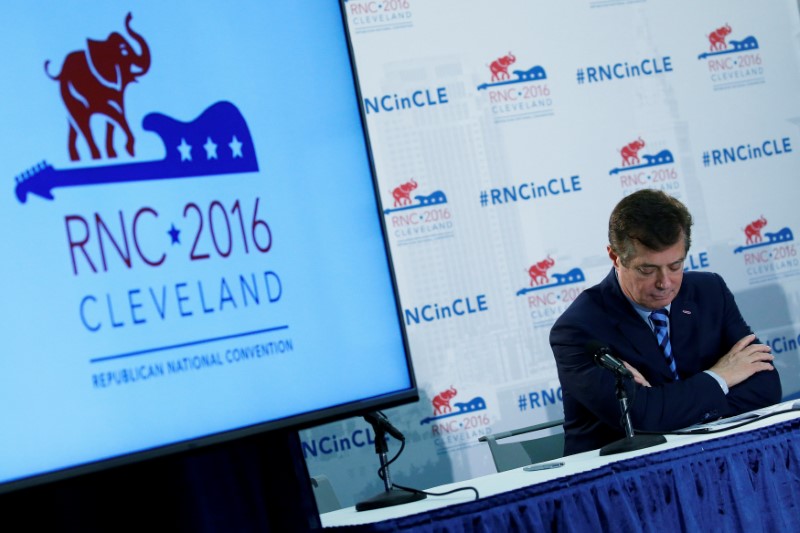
(637, 376)
(743, 360)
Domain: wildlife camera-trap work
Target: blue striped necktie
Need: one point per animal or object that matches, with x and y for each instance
(659, 318)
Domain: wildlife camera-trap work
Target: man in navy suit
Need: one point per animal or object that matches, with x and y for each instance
(681, 335)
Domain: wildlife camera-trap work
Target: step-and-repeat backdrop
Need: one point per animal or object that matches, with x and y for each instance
(503, 134)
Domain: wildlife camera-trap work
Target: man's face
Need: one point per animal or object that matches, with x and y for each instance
(651, 279)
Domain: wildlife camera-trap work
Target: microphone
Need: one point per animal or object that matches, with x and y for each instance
(380, 422)
(391, 495)
(631, 441)
(602, 356)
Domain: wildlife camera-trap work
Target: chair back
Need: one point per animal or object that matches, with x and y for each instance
(510, 455)
(324, 494)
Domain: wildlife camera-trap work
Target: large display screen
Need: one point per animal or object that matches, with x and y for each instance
(192, 241)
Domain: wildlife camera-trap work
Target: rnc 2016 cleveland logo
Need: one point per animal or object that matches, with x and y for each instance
(640, 170)
(732, 62)
(417, 215)
(767, 255)
(548, 294)
(366, 16)
(93, 83)
(515, 90)
(457, 425)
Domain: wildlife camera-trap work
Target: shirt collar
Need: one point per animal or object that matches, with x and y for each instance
(640, 310)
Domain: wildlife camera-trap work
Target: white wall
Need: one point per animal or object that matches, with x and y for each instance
(564, 133)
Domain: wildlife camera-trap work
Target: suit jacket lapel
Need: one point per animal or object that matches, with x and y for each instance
(629, 323)
(683, 318)
(634, 330)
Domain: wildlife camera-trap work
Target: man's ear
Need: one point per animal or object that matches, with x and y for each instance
(614, 257)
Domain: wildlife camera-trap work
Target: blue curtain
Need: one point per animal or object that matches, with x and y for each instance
(748, 482)
(255, 484)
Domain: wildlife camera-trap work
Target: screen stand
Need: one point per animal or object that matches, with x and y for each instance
(631, 442)
(390, 496)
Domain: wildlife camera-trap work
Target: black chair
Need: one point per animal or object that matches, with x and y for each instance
(521, 453)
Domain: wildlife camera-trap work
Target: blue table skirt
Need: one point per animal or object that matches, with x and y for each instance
(749, 482)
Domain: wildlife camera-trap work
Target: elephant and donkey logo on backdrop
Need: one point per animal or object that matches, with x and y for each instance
(93, 84)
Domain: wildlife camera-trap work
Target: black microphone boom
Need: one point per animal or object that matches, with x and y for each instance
(380, 422)
(391, 495)
(602, 356)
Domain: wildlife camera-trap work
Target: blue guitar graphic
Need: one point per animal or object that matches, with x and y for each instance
(216, 142)
(746, 44)
(535, 73)
(664, 157)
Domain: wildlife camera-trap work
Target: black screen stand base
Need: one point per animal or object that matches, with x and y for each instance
(629, 444)
(389, 498)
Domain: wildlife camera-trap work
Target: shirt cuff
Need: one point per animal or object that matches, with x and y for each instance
(719, 380)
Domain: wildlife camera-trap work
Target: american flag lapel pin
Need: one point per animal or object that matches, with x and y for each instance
(687, 312)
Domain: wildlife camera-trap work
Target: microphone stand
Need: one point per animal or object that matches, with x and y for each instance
(390, 496)
(631, 442)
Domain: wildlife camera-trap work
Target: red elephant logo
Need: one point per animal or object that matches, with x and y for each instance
(630, 152)
(753, 230)
(441, 402)
(717, 38)
(93, 82)
(499, 67)
(402, 193)
(538, 271)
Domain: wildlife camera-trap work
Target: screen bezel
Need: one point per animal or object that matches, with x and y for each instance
(295, 422)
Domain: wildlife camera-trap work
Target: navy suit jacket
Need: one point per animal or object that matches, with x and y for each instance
(704, 324)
